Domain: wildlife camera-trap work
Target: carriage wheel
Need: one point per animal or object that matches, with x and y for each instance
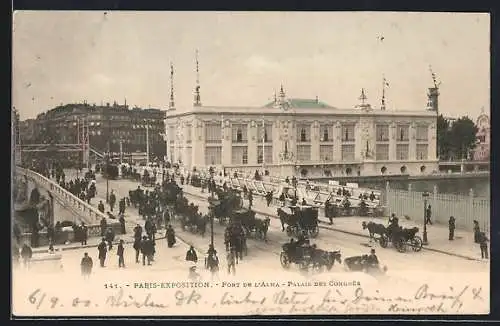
(383, 241)
(314, 231)
(304, 265)
(400, 245)
(416, 244)
(285, 261)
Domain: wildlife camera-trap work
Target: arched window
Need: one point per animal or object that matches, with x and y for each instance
(348, 171)
(403, 169)
(239, 136)
(325, 134)
(383, 170)
(303, 135)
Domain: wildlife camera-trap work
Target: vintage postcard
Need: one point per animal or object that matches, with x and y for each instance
(250, 163)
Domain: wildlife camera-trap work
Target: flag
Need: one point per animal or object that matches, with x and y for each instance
(385, 82)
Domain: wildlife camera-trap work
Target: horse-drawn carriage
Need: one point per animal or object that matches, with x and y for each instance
(252, 225)
(300, 219)
(362, 263)
(307, 256)
(229, 201)
(401, 238)
(148, 179)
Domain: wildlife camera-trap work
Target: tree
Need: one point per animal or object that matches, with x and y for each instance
(443, 138)
(463, 137)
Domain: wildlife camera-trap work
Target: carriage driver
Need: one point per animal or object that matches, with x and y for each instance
(393, 225)
(372, 259)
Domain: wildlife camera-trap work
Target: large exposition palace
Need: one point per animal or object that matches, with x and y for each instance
(305, 137)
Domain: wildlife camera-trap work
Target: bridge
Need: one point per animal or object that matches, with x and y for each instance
(464, 166)
(62, 205)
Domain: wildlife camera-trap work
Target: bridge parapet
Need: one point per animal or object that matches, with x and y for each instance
(87, 213)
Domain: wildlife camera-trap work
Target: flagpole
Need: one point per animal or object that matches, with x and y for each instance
(147, 145)
(222, 143)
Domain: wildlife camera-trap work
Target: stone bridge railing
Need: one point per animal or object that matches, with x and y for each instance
(87, 213)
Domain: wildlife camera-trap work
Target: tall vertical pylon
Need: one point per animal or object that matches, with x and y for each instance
(171, 104)
(197, 98)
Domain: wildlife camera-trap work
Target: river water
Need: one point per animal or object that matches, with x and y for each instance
(480, 186)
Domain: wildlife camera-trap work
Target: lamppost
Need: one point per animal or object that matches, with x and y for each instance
(425, 195)
(107, 159)
(212, 203)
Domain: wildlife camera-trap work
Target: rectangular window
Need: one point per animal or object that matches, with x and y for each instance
(239, 155)
(382, 132)
(213, 155)
(403, 133)
(422, 151)
(268, 154)
(265, 132)
(188, 134)
(348, 133)
(239, 133)
(402, 151)
(325, 153)
(303, 133)
(348, 152)
(422, 133)
(303, 153)
(382, 152)
(213, 133)
(326, 133)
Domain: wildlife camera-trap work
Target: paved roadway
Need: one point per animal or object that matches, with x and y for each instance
(407, 270)
(327, 239)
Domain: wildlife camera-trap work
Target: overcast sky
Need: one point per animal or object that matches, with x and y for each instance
(63, 57)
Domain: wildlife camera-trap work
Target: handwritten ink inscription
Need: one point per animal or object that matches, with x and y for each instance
(242, 300)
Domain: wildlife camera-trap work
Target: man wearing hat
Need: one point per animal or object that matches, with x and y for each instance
(372, 259)
(191, 255)
(451, 228)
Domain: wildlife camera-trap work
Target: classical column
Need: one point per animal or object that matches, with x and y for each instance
(315, 141)
(252, 142)
(412, 135)
(226, 144)
(337, 142)
(392, 141)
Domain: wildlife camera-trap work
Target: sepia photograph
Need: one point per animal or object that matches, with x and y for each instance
(183, 163)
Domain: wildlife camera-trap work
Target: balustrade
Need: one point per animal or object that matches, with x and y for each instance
(88, 213)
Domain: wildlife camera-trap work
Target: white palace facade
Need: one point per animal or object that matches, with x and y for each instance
(303, 137)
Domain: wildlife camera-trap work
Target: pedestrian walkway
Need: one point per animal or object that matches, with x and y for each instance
(463, 246)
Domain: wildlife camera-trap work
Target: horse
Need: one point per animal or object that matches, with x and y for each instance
(262, 226)
(234, 239)
(212, 264)
(286, 218)
(374, 228)
(325, 258)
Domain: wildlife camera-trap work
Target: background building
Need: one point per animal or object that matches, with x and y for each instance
(116, 123)
(304, 137)
(482, 150)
